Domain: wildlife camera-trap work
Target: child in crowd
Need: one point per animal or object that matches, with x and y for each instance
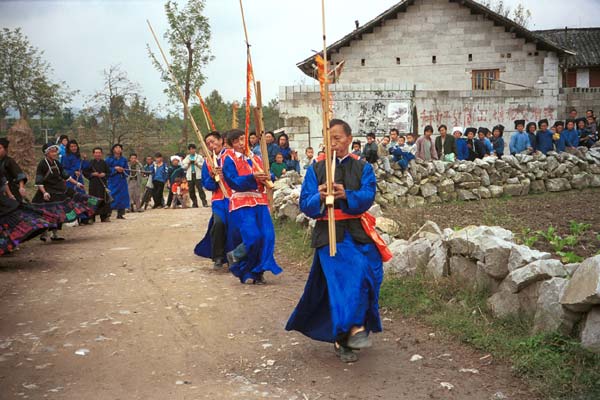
(278, 168)
(180, 189)
(356, 148)
(308, 160)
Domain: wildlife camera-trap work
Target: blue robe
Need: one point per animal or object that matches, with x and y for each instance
(341, 291)
(219, 208)
(498, 144)
(519, 142)
(462, 150)
(544, 141)
(72, 163)
(571, 137)
(117, 183)
(251, 226)
(401, 157)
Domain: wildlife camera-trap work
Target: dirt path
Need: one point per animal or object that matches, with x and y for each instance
(160, 324)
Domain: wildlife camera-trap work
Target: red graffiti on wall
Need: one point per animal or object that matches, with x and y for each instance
(482, 115)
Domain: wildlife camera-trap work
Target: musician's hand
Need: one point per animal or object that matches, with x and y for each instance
(80, 185)
(338, 191)
(219, 172)
(261, 177)
(47, 196)
(119, 169)
(322, 191)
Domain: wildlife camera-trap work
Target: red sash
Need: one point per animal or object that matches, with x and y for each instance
(368, 222)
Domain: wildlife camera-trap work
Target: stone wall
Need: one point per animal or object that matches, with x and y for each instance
(436, 182)
(520, 280)
(402, 49)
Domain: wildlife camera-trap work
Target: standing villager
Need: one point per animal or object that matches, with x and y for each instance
(53, 195)
(117, 180)
(74, 164)
(63, 143)
(16, 178)
(445, 145)
(160, 175)
(134, 183)
(217, 242)
(19, 221)
(252, 229)
(340, 303)
(369, 153)
(192, 165)
(462, 150)
(425, 146)
(97, 174)
(475, 147)
(148, 186)
(543, 137)
(519, 141)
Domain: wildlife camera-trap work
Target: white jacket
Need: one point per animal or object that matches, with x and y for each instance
(186, 164)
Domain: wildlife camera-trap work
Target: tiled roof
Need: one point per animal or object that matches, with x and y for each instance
(584, 41)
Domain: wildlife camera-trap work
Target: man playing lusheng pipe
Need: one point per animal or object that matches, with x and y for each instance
(340, 303)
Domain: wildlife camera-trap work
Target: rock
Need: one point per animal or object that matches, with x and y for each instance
(558, 184)
(448, 196)
(428, 190)
(583, 290)
(302, 219)
(551, 164)
(289, 210)
(536, 271)
(595, 181)
(414, 201)
(537, 186)
(446, 186)
(580, 181)
(496, 191)
(440, 166)
(466, 195)
(528, 298)
(419, 253)
(470, 274)
(550, 315)
(430, 230)
(513, 189)
(590, 336)
(399, 262)
(438, 262)
(467, 241)
(482, 192)
(571, 268)
(388, 226)
(512, 181)
(375, 211)
(493, 253)
(282, 183)
(522, 255)
(504, 303)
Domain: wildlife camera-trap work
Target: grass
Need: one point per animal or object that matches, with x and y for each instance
(292, 240)
(555, 366)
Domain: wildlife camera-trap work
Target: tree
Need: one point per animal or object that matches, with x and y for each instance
(519, 14)
(189, 50)
(111, 103)
(24, 77)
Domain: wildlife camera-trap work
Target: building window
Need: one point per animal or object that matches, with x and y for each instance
(398, 60)
(362, 62)
(484, 79)
(470, 57)
(434, 59)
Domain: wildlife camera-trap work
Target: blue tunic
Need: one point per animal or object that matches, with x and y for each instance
(117, 183)
(544, 141)
(341, 291)
(519, 142)
(571, 138)
(462, 150)
(219, 208)
(251, 226)
(72, 163)
(498, 146)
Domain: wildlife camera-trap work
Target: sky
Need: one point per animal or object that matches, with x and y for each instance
(82, 38)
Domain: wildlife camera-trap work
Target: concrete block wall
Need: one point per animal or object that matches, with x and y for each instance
(450, 32)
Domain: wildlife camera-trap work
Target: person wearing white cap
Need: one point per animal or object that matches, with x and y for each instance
(462, 150)
(174, 172)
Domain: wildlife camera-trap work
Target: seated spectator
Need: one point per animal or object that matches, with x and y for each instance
(401, 141)
(544, 137)
(356, 148)
(476, 147)
(384, 154)
(180, 190)
(290, 157)
(487, 144)
(272, 148)
(278, 168)
(569, 138)
(586, 137)
(519, 141)
(462, 151)
(592, 125)
(308, 159)
(394, 139)
(254, 143)
(498, 140)
(401, 157)
(573, 114)
(370, 151)
(425, 146)
(409, 146)
(445, 145)
(531, 133)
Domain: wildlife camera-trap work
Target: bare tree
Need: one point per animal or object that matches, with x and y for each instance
(520, 14)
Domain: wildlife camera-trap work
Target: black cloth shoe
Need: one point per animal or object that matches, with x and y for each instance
(260, 280)
(360, 340)
(120, 217)
(345, 354)
(218, 264)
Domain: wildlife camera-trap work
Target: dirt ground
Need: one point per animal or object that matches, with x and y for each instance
(153, 321)
(533, 212)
